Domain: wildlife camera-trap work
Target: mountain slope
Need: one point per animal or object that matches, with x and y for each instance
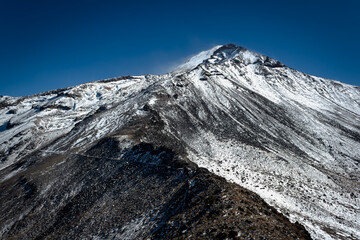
(290, 137)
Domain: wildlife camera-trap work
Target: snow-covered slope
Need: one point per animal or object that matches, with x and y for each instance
(291, 137)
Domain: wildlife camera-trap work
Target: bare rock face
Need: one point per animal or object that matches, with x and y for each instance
(230, 145)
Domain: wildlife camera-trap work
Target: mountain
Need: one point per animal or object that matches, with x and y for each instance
(231, 144)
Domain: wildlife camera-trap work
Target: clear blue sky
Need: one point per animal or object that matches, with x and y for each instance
(46, 45)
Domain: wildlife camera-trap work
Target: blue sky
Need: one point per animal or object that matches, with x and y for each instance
(46, 45)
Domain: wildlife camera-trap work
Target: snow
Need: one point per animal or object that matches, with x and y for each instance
(245, 166)
(195, 60)
(152, 101)
(51, 123)
(134, 229)
(249, 57)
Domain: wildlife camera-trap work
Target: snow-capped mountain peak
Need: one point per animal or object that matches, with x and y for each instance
(240, 54)
(290, 137)
(224, 53)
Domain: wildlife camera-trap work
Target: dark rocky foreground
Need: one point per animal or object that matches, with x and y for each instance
(152, 193)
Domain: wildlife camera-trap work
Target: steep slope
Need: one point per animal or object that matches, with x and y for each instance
(290, 137)
(148, 193)
(123, 188)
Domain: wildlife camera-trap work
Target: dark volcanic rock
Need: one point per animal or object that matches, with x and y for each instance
(148, 193)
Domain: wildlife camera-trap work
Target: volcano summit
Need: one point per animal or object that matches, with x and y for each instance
(231, 144)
